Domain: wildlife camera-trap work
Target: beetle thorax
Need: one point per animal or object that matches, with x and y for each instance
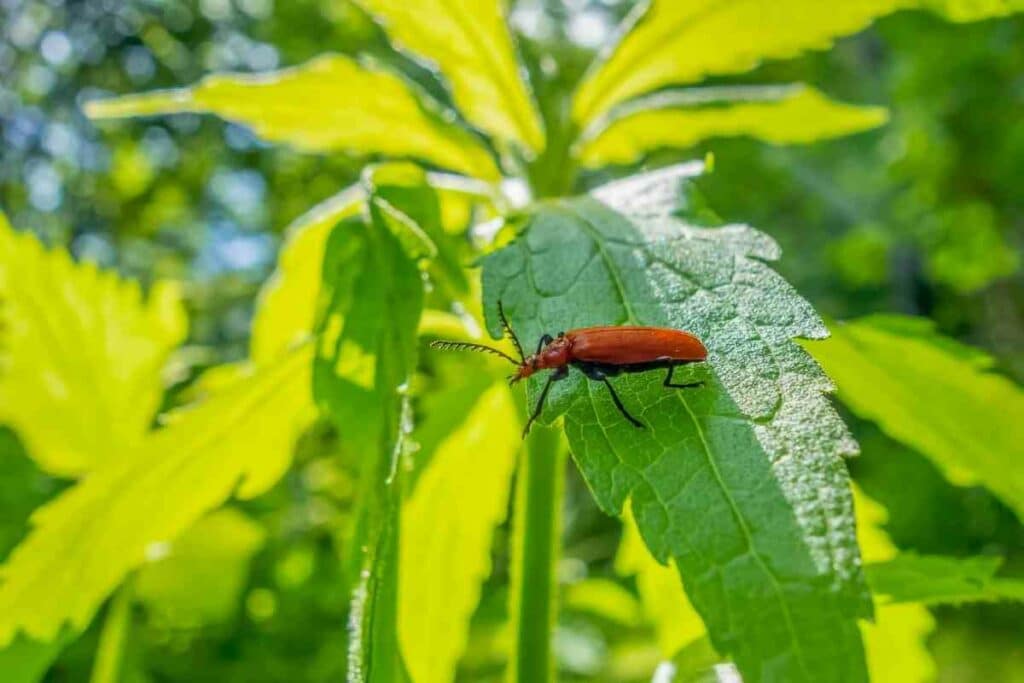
(555, 355)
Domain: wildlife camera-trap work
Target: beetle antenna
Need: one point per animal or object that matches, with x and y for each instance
(508, 331)
(447, 345)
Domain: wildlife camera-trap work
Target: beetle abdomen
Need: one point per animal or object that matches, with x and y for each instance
(634, 345)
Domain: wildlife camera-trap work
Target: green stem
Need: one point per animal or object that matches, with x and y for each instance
(535, 551)
(107, 666)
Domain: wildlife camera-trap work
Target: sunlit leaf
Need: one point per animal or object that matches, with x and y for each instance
(82, 352)
(470, 44)
(286, 306)
(776, 114)
(741, 481)
(331, 103)
(665, 604)
(973, 10)
(942, 580)
(896, 642)
(933, 394)
(606, 599)
(447, 525)
(677, 42)
(213, 554)
(369, 309)
(239, 440)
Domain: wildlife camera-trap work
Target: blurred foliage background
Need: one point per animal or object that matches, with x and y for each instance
(923, 216)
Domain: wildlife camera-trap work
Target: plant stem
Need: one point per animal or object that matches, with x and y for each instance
(110, 653)
(535, 551)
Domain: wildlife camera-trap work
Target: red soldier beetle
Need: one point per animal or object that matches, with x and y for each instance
(599, 353)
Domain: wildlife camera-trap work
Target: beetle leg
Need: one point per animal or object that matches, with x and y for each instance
(560, 373)
(668, 381)
(618, 404)
(597, 374)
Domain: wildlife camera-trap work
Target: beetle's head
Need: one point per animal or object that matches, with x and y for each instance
(554, 355)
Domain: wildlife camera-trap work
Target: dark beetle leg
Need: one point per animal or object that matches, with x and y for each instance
(597, 374)
(560, 373)
(668, 381)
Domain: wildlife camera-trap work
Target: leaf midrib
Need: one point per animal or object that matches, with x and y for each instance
(594, 235)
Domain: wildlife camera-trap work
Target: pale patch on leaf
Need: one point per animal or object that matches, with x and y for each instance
(776, 114)
(470, 44)
(933, 394)
(239, 440)
(331, 103)
(447, 527)
(82, 352)
(213, 554)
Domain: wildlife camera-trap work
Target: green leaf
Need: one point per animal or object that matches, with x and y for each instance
(676, 42)
(26, 661)
(238, 441)
(286, 306)
(214, 553)
(606, 599)
(740, 482)
(370, 305)
(330, 103)
(82, 354)
(973, 10)
(469, 42)
(682, 118)
(446, 546)
(933, 394)
(933, 580)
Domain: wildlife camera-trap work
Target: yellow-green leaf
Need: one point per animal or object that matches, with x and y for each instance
(934, 395)
(331, 103)
(214, 553)
(974, 10)
(776, 114)
(286, 306)
(469, 42)
(683, 41)
(895, 642)
(82, 353)
(676, 622)
(447, 525)
(108, 524)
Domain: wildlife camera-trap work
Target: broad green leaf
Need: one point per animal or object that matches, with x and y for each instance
(447, 526)
(214, 554)
(331, 103)
(26, 661)
(286, 306)
(896, 642)
(741, 482)
(469, 42)
(973, 10)
(776, 114)
(933, 394)
(238, 441)
(677, 42)
(370, 304)
(935, 579)
(676, 623)
(82, 353)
